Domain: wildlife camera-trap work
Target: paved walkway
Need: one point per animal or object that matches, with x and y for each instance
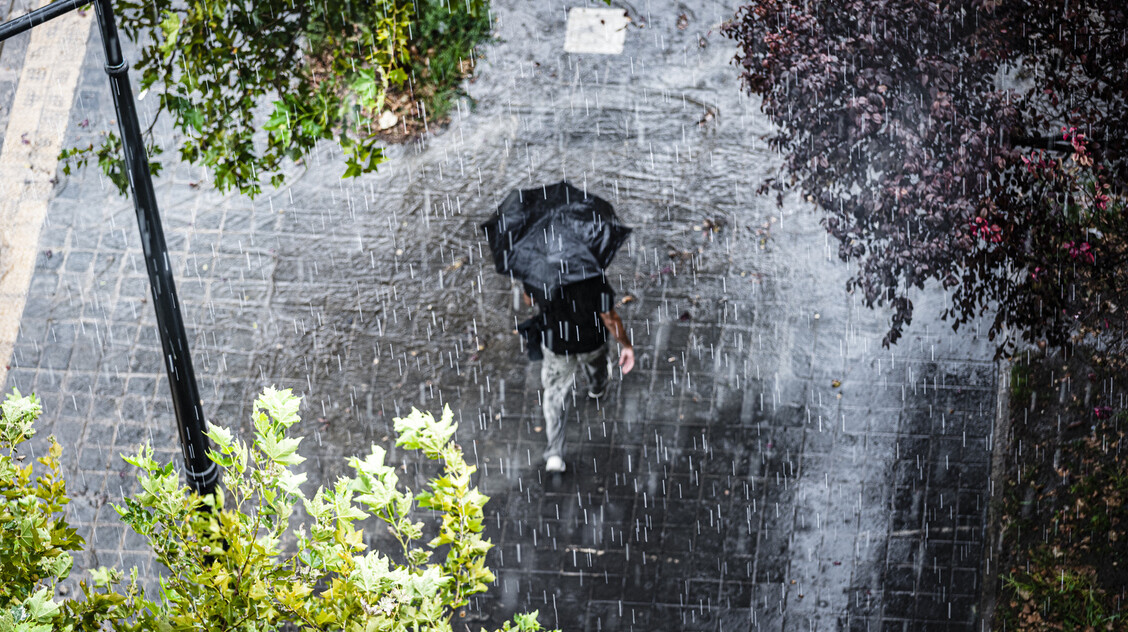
(768, 466)
(40, 106)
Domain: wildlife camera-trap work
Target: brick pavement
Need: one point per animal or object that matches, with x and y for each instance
(727, 484)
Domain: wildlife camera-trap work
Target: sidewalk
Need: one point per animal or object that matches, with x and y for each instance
(726, 484)
(38, 73)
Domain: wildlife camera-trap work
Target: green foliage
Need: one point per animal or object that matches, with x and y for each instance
(1020, 382)
(234, 560)
(108, 155)
(324, 68)
(34, 540)
(442, 45)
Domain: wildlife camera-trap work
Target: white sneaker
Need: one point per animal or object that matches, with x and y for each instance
(554, 464)
(596, 393)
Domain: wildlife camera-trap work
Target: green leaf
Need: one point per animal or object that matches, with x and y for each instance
(528, 621)
(194, 118)
(378, 498)
(59, 566)
(279, 122)
(397, 77)
(367, 86)
(420, 431)
(370, 572)
(170, 28)
(289, 482)
(17, 417)
(221, 436)
(317, 507)
(373, 464)
(144, 459)
(281, 449)
(343, 509)
(428, 583)
(40, 606)
(281, 405)
(418, 557)
(352, 168)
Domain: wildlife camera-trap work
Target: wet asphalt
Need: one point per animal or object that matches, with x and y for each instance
(767, 466)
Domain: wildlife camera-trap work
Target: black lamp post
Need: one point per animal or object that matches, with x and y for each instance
(201, 471)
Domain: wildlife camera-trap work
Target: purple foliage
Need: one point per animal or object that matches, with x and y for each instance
(974, 143)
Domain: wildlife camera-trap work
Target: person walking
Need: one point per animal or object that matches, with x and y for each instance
(558, 241)
(574, 323)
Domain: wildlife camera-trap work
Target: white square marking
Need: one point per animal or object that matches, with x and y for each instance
(599, 31)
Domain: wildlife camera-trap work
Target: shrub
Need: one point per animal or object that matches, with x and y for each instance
(229, 566)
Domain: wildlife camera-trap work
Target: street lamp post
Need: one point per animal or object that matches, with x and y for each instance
(201, 472)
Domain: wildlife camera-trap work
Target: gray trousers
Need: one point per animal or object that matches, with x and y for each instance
(559, 383)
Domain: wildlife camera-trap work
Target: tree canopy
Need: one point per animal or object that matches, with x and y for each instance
(252, 85)
(974, 143)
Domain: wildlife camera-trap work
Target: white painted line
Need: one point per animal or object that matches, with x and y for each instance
(29, 160)
(598, 31)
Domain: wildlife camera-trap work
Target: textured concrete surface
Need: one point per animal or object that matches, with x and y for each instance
(35, 122)
(768, 466)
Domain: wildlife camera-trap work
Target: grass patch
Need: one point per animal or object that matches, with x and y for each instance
(1051, 596)
(1064, 512)
(1020, 383)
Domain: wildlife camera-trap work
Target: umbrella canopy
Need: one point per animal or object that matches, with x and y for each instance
(554, 235)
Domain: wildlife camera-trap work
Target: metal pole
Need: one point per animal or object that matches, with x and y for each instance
(34, 18)
(202, 472)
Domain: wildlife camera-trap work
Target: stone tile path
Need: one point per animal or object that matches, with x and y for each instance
(768, 466)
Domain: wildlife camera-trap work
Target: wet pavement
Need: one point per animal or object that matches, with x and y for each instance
(768, 466)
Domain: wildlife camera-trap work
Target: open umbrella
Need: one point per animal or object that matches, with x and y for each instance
(554, 235)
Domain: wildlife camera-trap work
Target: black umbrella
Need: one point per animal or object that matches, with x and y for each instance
(554, 235)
